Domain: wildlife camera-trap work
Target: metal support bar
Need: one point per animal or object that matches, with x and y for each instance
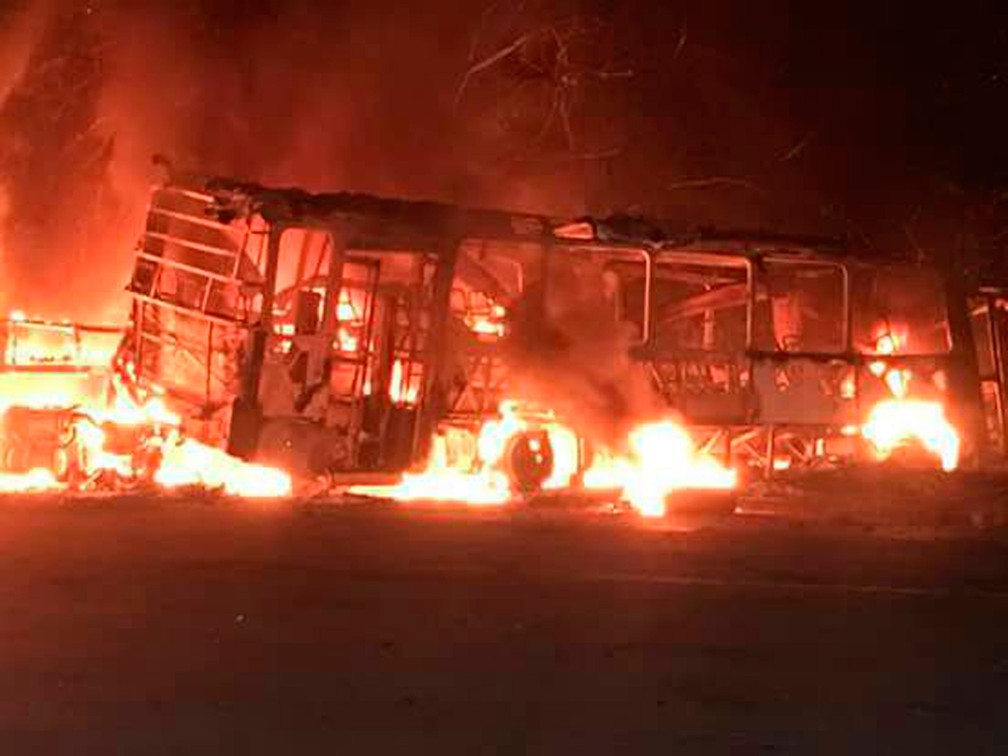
(997, 357)
(768, 469)
(435, 348)
(182, 242)
(194, 269)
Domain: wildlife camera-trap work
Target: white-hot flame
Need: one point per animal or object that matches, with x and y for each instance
(894, 422)
(190, 463)
(440, 481)
(662, 460)
(36, 480)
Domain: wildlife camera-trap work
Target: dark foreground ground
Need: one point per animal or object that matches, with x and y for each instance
(157, 627)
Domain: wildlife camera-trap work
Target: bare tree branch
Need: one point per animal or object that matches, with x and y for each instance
(715, 182)
(541, 75)
(487, 62)
(911, 237)
(797, 148)
(573, 157)
(681, 43)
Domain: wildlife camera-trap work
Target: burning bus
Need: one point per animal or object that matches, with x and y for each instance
(347, 335)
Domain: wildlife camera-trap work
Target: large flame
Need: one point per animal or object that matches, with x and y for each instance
(187, 462)
(662, 459)
(440, 481)
(892, 423)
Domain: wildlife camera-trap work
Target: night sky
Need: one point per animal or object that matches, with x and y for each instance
(885, 122)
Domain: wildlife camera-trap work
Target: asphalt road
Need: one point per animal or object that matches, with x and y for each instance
(163, 627)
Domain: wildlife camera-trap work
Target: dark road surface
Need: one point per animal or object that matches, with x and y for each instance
(170, 627)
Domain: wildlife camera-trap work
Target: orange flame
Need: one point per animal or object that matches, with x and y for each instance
(403, 389)
(662, 459)
(491, 323)
(896, 379)
(893, 422)
(187, 462)
(32, 342)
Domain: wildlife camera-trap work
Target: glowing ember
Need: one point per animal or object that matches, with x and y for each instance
(894, 422)
(491, 323)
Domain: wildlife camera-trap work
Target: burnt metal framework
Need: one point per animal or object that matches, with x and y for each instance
(788, 404)
(776, 402)
(338, 331)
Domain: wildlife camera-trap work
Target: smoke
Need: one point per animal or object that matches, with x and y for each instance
(654, 109)
(283, 93)
(54, 155)
(22, 24)
(312, 94)
(573, 356)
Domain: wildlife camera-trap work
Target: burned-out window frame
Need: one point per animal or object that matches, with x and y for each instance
(894, 267)
(628, 253)
(758, 266)
(698, 258)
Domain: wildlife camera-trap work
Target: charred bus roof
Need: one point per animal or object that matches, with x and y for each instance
(381, 220)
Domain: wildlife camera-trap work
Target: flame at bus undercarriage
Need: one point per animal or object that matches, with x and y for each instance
(893, 423)
(660, 459)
